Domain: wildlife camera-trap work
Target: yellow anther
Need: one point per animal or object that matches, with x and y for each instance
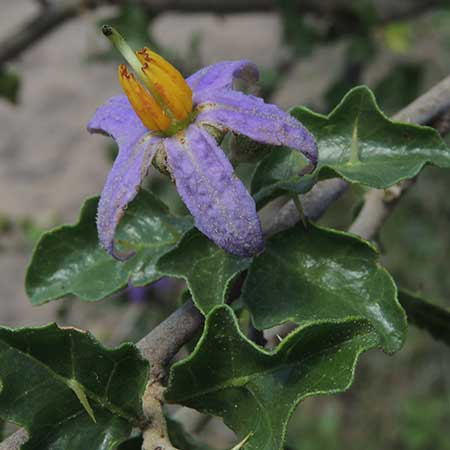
(151, 114)
(171, 94)
(165, 103)
(153, 59)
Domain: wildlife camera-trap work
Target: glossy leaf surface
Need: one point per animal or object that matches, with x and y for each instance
(319, 274)
(255, 391)
(67, 390)
(69, 259)
(358, 142)
(207, 269)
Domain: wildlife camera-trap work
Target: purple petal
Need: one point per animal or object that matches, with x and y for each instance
(117, 118)
(222, 75)
(122, 185)
(137, 294)
(259, 121)
(223, 209)
(136, 150)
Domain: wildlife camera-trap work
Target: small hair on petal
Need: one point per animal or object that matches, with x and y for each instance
(121, 187)
(260, 121)
(222, 76)
(221, 205)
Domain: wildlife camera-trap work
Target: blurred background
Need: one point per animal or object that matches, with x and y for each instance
(56, 68)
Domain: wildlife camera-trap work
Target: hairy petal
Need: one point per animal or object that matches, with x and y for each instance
(137, 147)
(117, 118)
(223, 209)
(122, 185)
(260, 121)
(222, 75)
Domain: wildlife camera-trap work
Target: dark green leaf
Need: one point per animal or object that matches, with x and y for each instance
(279, 173)
(69, 259)
(9, 85)
(400, 86)
(134, 443)
(358, 142)
(255, 391)
(207, 269)
(301, 34)
(49, 375)
(319, 274)
(426, 315)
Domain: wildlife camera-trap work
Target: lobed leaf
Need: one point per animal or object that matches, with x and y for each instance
(319, 274)
(359, 143)
(69, 259)
(208, 269)
(355, 141)
(255, 391)
(67, 390)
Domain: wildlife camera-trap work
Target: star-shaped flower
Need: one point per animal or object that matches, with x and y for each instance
(169, 118)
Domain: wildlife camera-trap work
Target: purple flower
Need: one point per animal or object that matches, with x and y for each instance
(173, 117)
(140, 294)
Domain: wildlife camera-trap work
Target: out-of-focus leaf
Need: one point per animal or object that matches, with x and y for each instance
(208, 269)
(398, 36)
(359, 52)
(300, 34)
(69, 259)
(426, 315)
(318, 274)
(255, 391)
(359, 143)
(9, 84)
(400, 86)
(67, 390)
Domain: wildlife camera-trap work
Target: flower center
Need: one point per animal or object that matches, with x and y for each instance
(164, 103)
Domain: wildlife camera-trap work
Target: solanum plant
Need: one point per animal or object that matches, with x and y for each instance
(326, 288)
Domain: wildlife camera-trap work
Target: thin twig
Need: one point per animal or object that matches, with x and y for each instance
(15, 441)
(44, 22)
(165, 340)
(57, 12)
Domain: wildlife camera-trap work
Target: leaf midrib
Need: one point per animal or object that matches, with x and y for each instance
(233, 382)
(102, 401)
